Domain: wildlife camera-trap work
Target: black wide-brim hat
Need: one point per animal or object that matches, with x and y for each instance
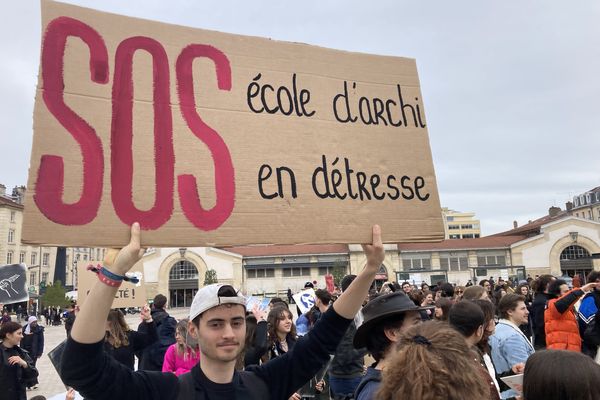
(379, 309)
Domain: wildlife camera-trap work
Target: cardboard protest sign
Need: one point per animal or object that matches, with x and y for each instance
(13, 284)
(215, 139)
(128, 294)
(305, 299)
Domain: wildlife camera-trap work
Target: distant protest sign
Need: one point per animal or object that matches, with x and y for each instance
(13, 284)
(128, 295)
(305, 300)
(215, 139)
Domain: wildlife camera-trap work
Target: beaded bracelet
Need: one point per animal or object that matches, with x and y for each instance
(110, 278)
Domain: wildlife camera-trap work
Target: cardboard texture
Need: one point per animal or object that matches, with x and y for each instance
(128, 294)
(199, 135)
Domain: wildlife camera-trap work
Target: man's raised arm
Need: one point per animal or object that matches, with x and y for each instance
(352, 299)
(90, 324)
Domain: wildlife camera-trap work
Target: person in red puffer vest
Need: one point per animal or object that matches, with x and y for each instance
(562, 330)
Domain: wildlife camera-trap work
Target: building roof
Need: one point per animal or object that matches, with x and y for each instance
(287, 250)
(5, 201)
(533, 227)
(488, 242)
(586, 204)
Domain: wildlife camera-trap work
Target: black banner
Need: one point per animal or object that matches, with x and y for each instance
(13, 284)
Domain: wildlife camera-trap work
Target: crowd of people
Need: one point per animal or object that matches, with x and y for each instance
(401, 341)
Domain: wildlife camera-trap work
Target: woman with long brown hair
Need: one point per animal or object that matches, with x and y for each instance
(121, 342)
(442, 306)
(424, 367)
(184, 354)
(281, 332)
(281, 336)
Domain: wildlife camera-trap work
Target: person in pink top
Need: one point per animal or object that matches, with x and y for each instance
(184, 354)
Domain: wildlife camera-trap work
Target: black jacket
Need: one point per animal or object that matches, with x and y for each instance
(96, 375)
(69, 321)
(152, 357)
(589, 327)
(137, 342)
(14, 378)
(276, 350)
(254, 352)
(34, 342)
(537, 319)
(348, 361)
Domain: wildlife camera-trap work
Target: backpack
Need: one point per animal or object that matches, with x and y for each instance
(152, 357)
(255, 385)
(165, 329)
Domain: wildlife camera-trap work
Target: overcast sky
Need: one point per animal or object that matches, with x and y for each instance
(511, 89)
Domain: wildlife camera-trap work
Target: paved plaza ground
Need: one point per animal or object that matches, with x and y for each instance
(50, 383)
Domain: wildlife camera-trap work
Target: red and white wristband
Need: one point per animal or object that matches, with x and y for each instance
(109, 278)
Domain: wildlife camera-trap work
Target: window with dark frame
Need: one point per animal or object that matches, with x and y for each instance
(183, 270)
(253, 273)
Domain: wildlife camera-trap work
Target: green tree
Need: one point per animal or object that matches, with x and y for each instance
(339, 271)
(210, 277)
(55, 296)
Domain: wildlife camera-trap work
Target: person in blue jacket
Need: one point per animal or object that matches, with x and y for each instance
(586, 314)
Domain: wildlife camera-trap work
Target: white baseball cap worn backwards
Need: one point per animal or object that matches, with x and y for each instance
(212, 296)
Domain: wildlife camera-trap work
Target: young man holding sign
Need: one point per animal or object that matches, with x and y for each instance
(217, 318)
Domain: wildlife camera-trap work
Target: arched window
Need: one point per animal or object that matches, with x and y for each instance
(183, 270)
(574, 252)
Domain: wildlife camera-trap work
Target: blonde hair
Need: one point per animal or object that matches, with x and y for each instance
(189, 347)
(424, 367)
(116, 333)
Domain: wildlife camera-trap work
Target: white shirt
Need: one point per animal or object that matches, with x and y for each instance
(490, 367)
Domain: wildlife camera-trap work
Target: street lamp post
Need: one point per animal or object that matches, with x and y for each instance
(40, 272)
(75, 275)
(73, 271)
